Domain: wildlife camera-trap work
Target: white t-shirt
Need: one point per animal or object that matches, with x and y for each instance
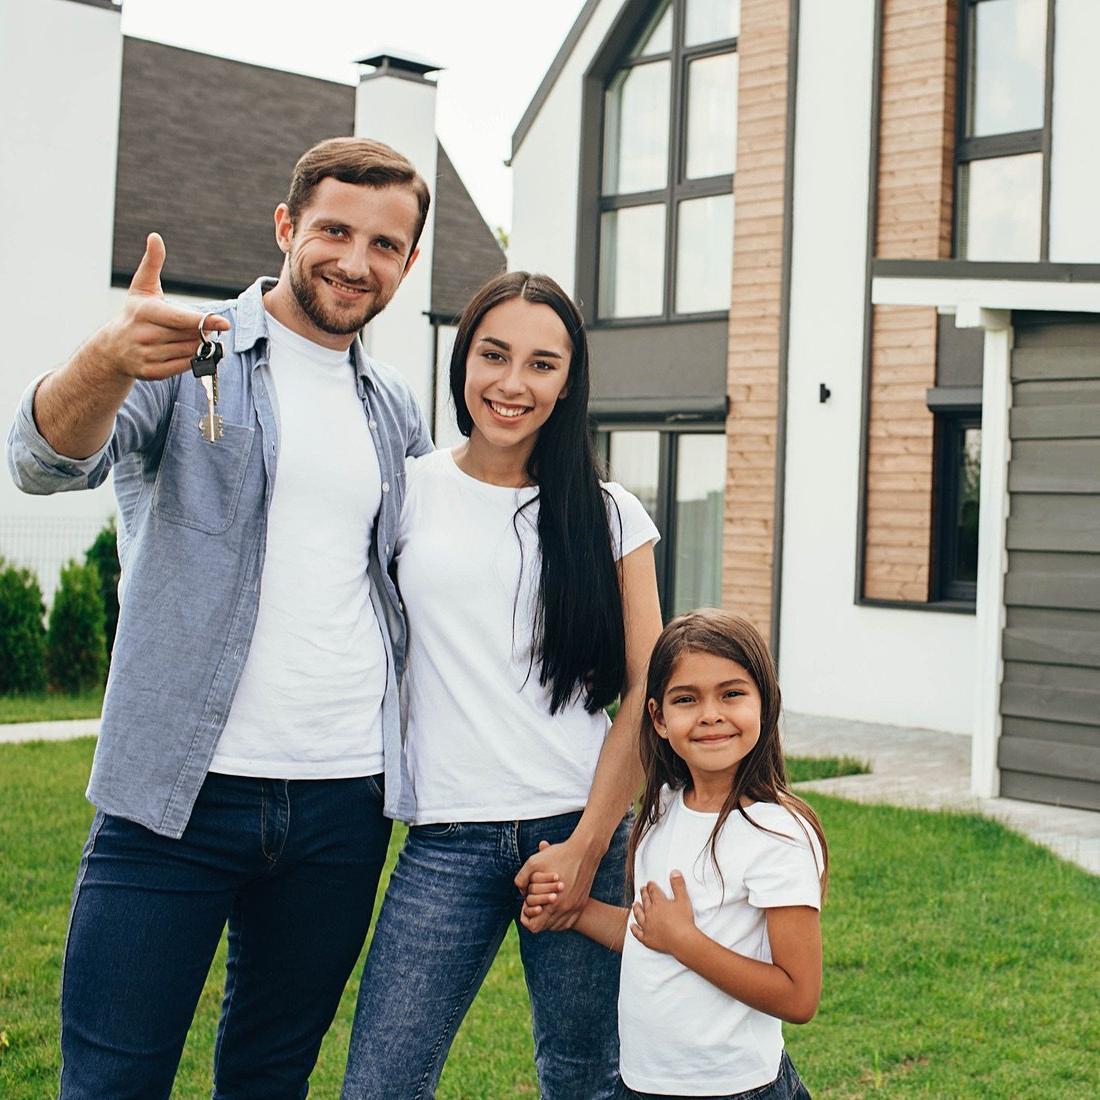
(480, 741)
(309, 702)
(678, 1033)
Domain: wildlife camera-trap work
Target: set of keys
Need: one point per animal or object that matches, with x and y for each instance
(204, 366)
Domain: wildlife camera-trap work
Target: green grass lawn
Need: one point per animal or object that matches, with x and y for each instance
(49, 707)
(960, 960)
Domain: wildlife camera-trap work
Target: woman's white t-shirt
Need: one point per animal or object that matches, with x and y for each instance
(678, 1033)
(480, 742)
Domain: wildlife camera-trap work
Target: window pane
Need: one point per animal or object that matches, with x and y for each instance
(1007, 59)
(711, 20)
(966, 522)
(1003, 207)
(712, 116)
(704, 254)
(632, 262)
(635, 150)
(635, 462)
(657, 37)
(700, 491)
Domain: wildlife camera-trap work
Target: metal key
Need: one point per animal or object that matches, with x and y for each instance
(204, 366)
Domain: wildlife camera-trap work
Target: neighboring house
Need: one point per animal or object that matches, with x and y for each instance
(107, 138)
(841, 264)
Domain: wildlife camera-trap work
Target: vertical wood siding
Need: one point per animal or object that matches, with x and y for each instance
(915, 189)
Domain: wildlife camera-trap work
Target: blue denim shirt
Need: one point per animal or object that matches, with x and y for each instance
(192, 538)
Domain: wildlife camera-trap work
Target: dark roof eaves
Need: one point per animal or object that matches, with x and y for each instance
(552, 74)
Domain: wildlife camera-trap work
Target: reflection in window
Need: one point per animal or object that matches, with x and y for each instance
(958, 504)
(712, 116)
(711, 21)
(632, 253)
(1003, 210)
(1007, 66)
(969, 471)
(636, 130)
(634, 460)
(700, 492)
(704, 254)
(657, 37)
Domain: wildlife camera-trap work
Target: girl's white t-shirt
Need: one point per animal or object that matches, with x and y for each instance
(678, 1033)
(309, 702)
(480, 742)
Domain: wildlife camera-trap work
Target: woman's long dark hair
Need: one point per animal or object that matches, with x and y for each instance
(762, 774)
(579, 638)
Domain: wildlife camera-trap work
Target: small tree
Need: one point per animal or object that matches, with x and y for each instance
(103, 554)
(22, 633)
(76, 648)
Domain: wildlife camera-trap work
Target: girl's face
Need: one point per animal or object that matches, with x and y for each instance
(517, 371)
(710, 714)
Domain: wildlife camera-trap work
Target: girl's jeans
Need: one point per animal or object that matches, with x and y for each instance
(449, 903)
(787, 1086)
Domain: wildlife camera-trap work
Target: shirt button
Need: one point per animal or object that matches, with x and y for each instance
(385, 486)
(374, 424)
(387, 547)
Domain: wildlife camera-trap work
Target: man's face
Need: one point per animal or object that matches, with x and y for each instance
(347, 252)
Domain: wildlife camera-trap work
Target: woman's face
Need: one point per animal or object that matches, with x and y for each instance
(517, 370)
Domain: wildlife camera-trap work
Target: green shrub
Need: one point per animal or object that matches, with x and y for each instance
(76, 648)
(22, 633)
(103, 554)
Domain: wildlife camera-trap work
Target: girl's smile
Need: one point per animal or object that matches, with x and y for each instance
(710, 716)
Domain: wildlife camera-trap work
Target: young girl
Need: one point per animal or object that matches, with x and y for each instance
(728, 869)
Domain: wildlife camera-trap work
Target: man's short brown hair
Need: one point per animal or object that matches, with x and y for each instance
(356, 160)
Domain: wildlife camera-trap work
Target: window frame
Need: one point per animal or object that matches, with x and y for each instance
(664, 552)
(951, 425)
(995, 146)
(677, 188)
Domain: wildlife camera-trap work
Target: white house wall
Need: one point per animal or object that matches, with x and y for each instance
(873, 664)
(546, 167)
(1075, 156)
(60, 76)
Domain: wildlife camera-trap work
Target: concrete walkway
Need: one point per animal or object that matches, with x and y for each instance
(930, 770)
(909, 767)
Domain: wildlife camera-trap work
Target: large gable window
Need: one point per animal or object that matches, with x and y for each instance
(669, 142)
(1003, 146)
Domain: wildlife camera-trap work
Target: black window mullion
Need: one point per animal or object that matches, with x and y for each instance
(637, 198)
(1000, 145)
(675, 137)
(1048, 130)
(666, 520)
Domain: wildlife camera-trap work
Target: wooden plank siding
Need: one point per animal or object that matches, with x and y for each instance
(756, 312)
(1049, 750)
(915, 187)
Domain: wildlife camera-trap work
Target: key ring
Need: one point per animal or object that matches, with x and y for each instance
(208, 343)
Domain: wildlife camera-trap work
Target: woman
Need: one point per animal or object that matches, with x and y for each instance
(531, 598)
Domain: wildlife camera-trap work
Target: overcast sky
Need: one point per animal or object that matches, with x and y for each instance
(494, 53)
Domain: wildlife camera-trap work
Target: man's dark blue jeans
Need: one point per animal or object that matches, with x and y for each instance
(292, 865)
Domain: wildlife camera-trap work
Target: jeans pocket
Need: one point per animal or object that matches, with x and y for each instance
(199, 483)
(376, 787)
(435, 830)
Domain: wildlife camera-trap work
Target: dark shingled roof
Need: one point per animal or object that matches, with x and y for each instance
(205, 151)
(466, 252)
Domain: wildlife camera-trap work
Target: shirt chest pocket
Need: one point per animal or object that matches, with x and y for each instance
(199, 483)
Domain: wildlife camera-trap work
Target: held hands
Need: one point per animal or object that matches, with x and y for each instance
(151, 339)
(555, 883)
(662, 923)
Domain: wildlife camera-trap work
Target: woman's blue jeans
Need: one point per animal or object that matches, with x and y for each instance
(293, 865)
(447, 908)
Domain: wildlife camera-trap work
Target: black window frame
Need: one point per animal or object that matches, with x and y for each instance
(951, 425)
(664, 553)
(995, 146)
(677, 187)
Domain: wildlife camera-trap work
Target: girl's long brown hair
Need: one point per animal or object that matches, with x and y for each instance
(762, 774)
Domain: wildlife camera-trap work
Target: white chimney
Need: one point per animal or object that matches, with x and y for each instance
(395, 103)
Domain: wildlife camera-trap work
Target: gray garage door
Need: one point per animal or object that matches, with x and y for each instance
(1050, 701)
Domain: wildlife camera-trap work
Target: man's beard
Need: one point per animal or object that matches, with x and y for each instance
(335, 324)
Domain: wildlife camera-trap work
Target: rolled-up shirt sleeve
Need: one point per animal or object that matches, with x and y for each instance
(37, 468)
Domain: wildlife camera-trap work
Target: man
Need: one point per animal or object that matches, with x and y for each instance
(252, 698)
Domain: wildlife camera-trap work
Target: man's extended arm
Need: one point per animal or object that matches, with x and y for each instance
(75, 407)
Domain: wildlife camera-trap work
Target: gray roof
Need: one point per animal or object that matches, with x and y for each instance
(205, 151)
(466, 252)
